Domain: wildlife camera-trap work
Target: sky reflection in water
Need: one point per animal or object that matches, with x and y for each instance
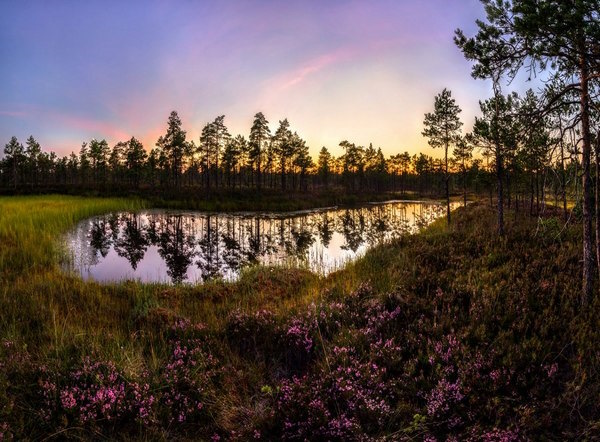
(177, 247)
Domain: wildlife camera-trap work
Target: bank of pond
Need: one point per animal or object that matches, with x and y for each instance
(176, 247)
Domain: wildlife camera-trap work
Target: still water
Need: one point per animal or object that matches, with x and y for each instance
(179, 247)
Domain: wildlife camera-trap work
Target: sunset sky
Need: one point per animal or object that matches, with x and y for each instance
(365, 71)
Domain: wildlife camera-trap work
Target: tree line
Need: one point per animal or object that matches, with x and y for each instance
(218, 160)
(539, 160)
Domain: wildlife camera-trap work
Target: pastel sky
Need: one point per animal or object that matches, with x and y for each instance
(365, 71)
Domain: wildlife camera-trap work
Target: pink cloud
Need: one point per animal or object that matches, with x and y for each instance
(94, 126)
(313, 66)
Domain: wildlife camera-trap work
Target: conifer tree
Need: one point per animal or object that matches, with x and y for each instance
(324, 166)
(14, 158)
(532, 35)
(173, 145)
(443, 128)
(260, 135)
(32, 154)
(283, 148)
(135, 157)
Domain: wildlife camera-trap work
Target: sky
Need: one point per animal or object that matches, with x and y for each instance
(363, 71)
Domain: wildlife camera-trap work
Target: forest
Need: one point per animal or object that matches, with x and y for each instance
(479, 322)
(541, 161)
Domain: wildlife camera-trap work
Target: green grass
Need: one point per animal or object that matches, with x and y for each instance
(56, 313)
(30, 227)
(514, 297)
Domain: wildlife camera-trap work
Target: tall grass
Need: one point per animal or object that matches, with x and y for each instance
(57, 314)
(54, 312)
(509, 302)
(30, 227)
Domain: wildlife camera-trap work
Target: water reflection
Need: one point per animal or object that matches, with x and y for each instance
(163, 246)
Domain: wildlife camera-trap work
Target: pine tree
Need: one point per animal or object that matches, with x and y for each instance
(205, 151)
(14, 159)
(324, 166)
(353, 162)
(301, 158)
(84, 163)
(540, 34)
(495, 133)
(32, 155)
(72, 168)
(463, 152)
(152, 166)
(173, 145)
(116, 161)
(220, 139)
(283, 148)
(98, 155)
(442, 127)
(379, 168)
(135, 157)
(231, 156)
(260, 135)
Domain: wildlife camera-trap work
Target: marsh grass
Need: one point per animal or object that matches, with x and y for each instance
(31, 227)
(512, 299)
(56, 313)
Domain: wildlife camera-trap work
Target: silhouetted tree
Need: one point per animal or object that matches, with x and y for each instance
(324, 166)
(135, 157)
(172, 146)
(14, 159)
(442, 127)
(32, 156)
(283, 148)
(260, 134)
(463, 153)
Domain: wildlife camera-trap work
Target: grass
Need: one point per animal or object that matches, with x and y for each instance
(30, 229)
(31, 225)
(56, 313)
(509, 302)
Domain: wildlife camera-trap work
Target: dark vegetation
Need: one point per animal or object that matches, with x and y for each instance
(465, 335)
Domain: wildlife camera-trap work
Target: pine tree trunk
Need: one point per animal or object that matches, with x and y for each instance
(258, 176)
(564, 188)
(447, 183)
(499, 176)
(531, 198)
(597, 157)
(508, 195)
(537, 193)
(464, 184)
(588, 257)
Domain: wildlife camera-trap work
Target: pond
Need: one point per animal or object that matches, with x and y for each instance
(177, 247)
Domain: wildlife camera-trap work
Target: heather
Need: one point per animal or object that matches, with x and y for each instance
(451, 334)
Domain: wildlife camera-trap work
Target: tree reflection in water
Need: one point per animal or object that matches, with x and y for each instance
(100, 238)
(177, 247)
(133, 242)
